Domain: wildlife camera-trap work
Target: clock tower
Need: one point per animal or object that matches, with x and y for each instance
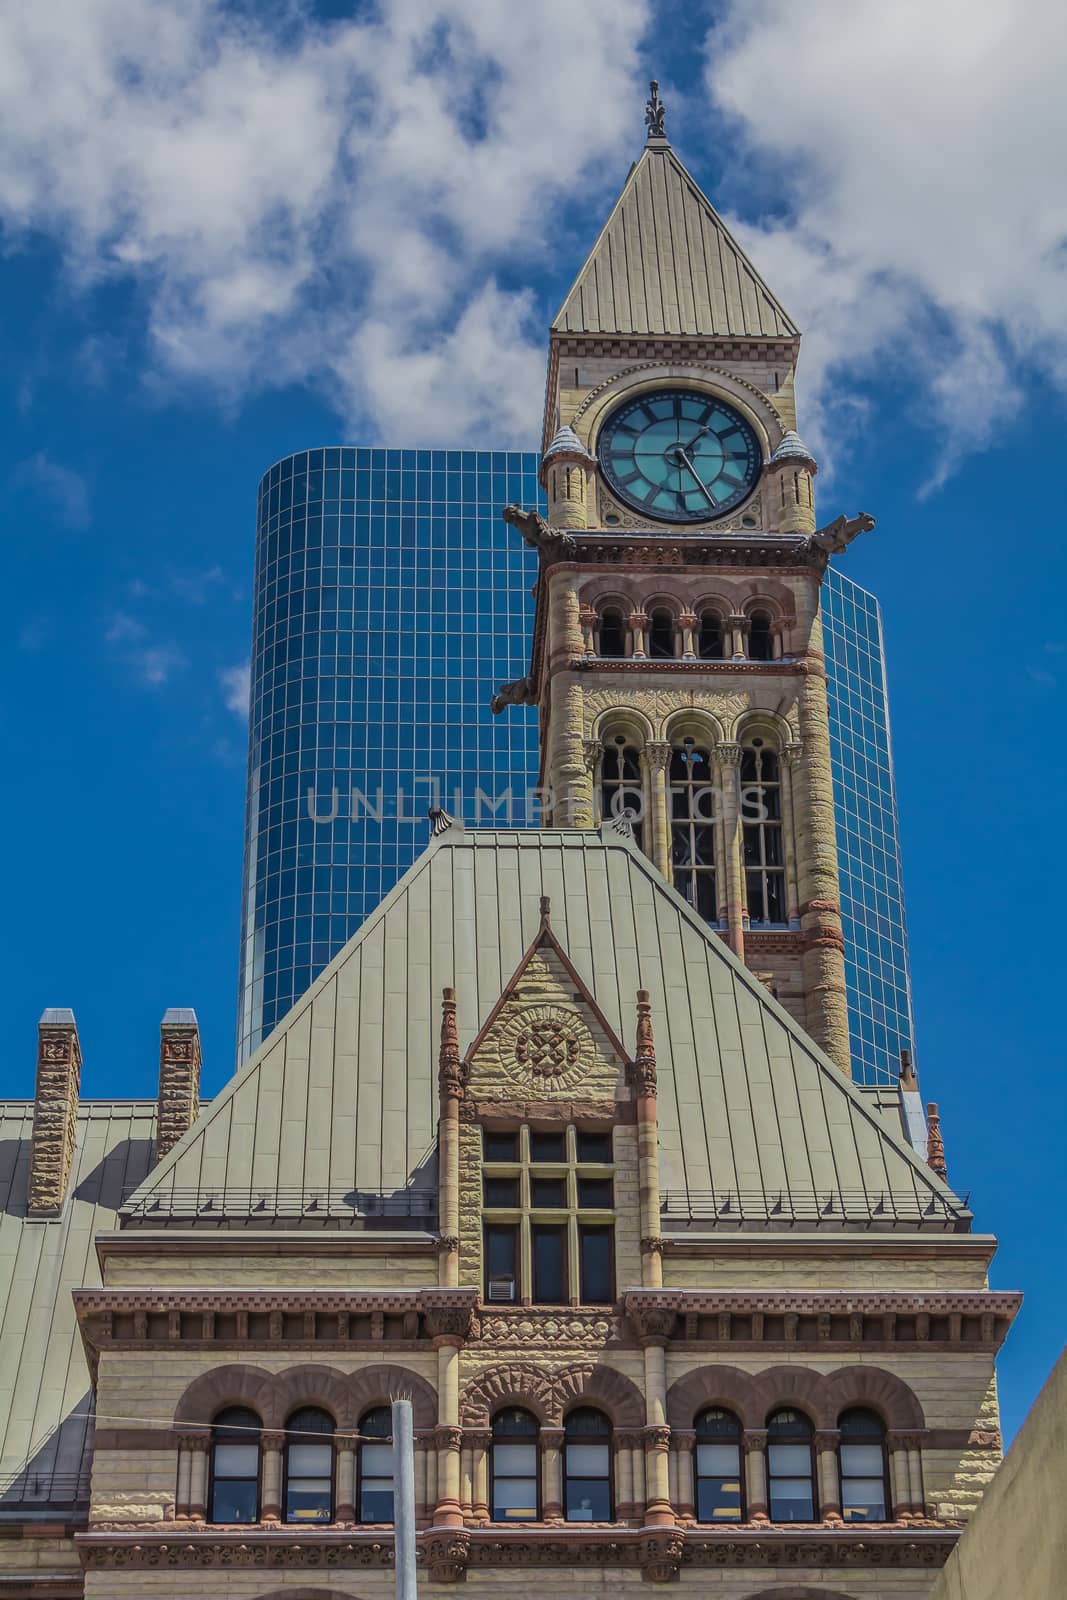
(677, 659)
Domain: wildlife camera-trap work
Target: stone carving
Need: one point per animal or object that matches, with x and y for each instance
(643, 1070)
(660, 704)
(661, 1554)
(935, 1144)
(445, 1554)
(839, 534)
(532, 1327)
(549, 1394)
(517, 692)
(546, 1046)
(655, 113)
(451, 1077)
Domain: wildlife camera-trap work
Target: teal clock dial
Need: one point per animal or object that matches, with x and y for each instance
(679, 456)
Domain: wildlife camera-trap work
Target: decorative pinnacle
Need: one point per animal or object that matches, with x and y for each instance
(935, 1144)
(655, 112)
(450, 1071)
(644, 1065)
(546, 911)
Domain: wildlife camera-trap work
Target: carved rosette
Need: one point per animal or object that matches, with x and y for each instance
(546, 1047)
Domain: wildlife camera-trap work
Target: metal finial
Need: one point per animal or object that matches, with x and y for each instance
(655, 112)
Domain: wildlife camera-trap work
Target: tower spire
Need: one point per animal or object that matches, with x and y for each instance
(655, 112)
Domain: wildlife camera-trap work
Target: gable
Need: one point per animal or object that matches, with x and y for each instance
(665, 263)
(339, 1105)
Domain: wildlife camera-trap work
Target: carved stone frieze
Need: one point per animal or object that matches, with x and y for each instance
(660, 704)
(531, 1326)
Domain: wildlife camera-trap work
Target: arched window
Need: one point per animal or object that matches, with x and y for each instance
(760, 647)
(515, 1476)
(587, 1467)
(720, 1496)
(661, 634)
(710, 637)
(692, 799)
(864, 1469)
(761, 821)
(790, 1467)
(376, 1465)
(620, 782)
(309, 1466)
(611, 635)
(235, 1466)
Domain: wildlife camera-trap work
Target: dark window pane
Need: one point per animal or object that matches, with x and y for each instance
(549, 1265)
(376, 1501)
(234, 1500)
(548, 1192)
(596, 1251)
(500, 1146)
(588, 1500)
(719, 1499)
(612, 634)
(594, 1146)
(501, 1257)
(597, 1192)
(547, 1147)
(501, 1191)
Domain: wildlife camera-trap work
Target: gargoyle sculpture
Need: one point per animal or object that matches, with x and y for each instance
(536, 531)
(519, 692)
(839, 534)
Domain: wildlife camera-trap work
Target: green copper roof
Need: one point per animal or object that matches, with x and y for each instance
(341, 1099)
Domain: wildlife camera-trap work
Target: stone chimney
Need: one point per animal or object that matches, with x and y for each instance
(179, 1078)
(55, 1112)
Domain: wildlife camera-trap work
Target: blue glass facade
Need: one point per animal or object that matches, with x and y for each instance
(390, 600)
(868, 838)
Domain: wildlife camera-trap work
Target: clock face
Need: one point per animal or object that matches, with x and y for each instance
(679, 456)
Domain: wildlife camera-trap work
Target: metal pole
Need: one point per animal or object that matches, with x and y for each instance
(404, 1499)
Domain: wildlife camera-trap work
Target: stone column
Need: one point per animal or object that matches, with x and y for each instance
(736, 630)
(55, 1112)
(829, 1477)
(551, 1442)
(198, 1446)
(448, 1432)
(820, 908)
(587, 621)
(786, 758)
(688, 621)
(658, 759)
(271, 1446)
(624, 1477)
(345, 1469)
(480, 1443)
(466, 1476)
(637, 622)
(658, 1511)
(643, 1077)
(637, 1472)
(915, 1476)
(755, 1447)
(727, 759)
(684, 1441)
(899, 1479)
(192, 1452)
(450, 1081)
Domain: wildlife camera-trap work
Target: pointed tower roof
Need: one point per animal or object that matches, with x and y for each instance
(665, 262)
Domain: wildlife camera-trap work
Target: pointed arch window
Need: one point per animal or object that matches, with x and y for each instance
(761, 822)
(235, 1464)
(864, 1467)
(611, 634)
(692, 802)
(587, 1466)
(621, 785)
(515, 1462)
(309, 1466)
(662, 635)
(760, 639)
(375, 1491)
(710, 640)
(791, 1467)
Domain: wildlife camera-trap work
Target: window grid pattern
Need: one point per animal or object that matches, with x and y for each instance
(868, 835)
(373, 567)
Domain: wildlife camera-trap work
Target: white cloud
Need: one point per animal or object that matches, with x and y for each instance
(61, 488)
(236, 688)
(920, 149)
(323, 201)
(147, 661)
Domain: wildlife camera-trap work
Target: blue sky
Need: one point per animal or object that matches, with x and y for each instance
(223, 241)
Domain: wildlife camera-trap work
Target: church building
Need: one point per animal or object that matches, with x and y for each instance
(564, 1145)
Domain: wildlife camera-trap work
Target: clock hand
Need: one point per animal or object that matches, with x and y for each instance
(694, 439)
(683, 458)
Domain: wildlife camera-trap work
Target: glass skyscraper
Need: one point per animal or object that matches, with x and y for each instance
(390, 600)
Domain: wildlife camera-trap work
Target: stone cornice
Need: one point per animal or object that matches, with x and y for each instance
(220, 1299)
(981, 1247)
(871, 1302)
(447, 1554)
